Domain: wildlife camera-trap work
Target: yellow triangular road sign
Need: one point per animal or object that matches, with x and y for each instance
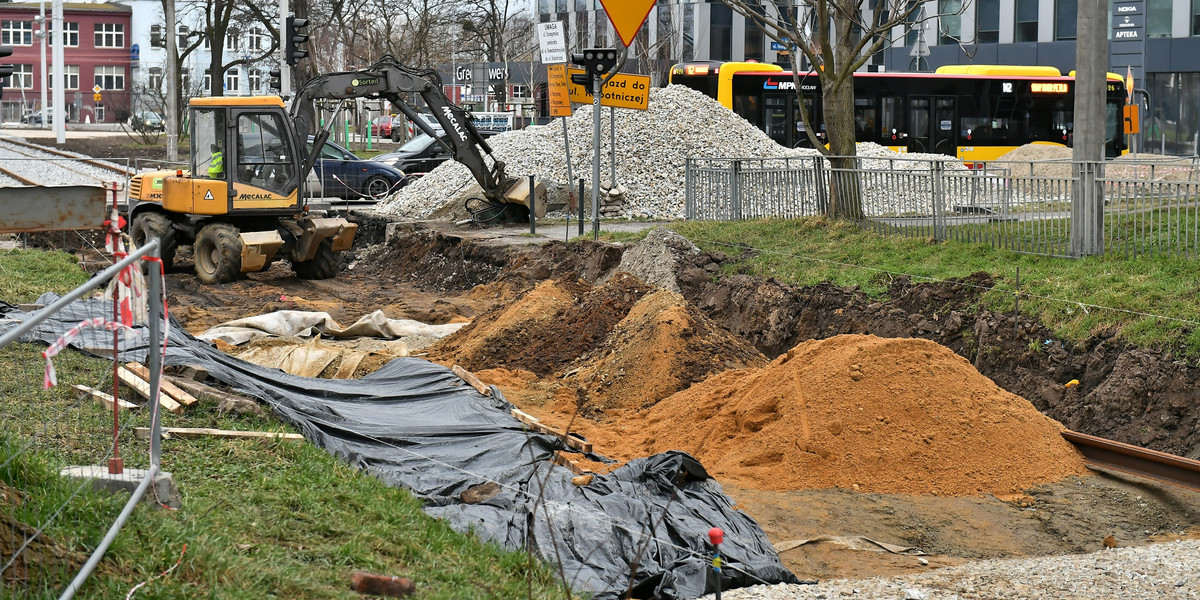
(627, 16)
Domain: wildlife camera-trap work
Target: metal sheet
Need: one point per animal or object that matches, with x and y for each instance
(50, 208)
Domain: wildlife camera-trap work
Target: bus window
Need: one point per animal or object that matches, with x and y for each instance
(1113, 137)
(749, 108)
(918, 118)
(892, 123)
(864, 120)
(777, 118)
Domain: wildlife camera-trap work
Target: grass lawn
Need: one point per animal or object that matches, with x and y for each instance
(1148, 301)
(260, 519)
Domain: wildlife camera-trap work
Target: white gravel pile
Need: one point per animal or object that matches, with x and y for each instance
(652, 149)
(1157, 571)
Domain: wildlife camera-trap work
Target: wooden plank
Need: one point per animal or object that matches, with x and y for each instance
(576, 468)
(164, 385)
(534, 424)
(101, 397)
(472, 380)
(142, 387)
(192, 372)
(191, 433)
(226, 402)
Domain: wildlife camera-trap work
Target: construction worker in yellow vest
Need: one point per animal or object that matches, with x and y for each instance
(216, 167)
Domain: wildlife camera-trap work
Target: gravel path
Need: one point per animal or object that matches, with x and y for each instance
(51, 169)
(1159, 571)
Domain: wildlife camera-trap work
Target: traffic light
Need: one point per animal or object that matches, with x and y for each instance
(596, 61)
(294, 40)
(276, 78)
(5, 70)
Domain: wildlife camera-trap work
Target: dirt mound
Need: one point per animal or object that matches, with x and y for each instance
(1036, 160)
(867, 413)
(544, 331)
(662, 346)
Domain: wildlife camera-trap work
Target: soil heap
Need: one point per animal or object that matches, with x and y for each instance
(623, 345)
(881, 415)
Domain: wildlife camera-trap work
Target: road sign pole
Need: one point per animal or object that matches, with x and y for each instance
(596, 92)
(570, 177)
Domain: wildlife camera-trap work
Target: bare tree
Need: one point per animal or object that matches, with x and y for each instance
(837, 37)
(487, 26)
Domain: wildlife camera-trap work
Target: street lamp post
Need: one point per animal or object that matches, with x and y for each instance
(41, 34)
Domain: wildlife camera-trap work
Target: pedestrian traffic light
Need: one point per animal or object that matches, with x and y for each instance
(294, 40)
(5, 70)
(276, 78)
(596, 61)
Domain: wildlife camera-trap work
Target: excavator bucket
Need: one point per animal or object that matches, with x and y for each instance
(518, 193)
(258, 248)
(316, 231)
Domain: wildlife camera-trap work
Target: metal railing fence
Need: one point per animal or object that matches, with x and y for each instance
(54, 526)
(1055, 208)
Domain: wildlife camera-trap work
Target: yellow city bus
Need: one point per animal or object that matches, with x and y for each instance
(973, 112)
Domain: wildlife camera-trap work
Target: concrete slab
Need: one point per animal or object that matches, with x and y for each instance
(162, 489)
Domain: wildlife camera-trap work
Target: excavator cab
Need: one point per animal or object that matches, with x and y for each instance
(241, 204)
(245, 159)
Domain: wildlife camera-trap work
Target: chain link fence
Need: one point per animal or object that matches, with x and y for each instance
(62, 445)
(1055, 208)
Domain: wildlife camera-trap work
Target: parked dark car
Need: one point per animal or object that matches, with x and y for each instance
(147, 120)
(345, 175)
(421, 154)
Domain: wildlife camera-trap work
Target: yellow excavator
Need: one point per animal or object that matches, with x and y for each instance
(242, 204)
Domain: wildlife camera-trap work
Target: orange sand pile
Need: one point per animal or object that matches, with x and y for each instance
(859, 412)
(662, 346)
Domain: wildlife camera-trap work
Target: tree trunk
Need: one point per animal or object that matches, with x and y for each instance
(845, 193)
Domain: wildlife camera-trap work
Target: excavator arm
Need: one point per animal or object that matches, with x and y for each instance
(388, 79)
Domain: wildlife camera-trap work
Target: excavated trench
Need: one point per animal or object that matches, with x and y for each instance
(1134, 395)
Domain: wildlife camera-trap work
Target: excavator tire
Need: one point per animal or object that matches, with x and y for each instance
(218, 253)
(150, 225)
(324, 265)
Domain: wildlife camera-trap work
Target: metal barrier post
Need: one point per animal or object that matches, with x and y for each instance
(532, 208)
(939, 216)
(154, 317)
(819, 183)
(689, 198)
(735, 190)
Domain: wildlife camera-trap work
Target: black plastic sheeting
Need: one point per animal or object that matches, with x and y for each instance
(415, 424)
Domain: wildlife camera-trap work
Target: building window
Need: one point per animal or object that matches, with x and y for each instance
(185, 78)
(1158, 18)
(71, 35)
(1027, 21)
(520, 91)
(181, 36)
(602, 25)
(99, 113)
(255, 81)
(581, 29)
(754, 47)
(156, 37)
(949, 21)
(231, 40)
(560, 6)
(721, 28)
(1195, 17)
(70, 77)
(912, 30)
(22, 77)
(155, 78)
(207, 81)
(110, 35)
(987, 21)
(110, 77)
(543, 7)
(232, 80)
(255, 40)
(207, 44)
(16, 33)
(1065, 15)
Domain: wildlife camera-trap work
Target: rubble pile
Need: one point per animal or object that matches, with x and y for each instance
(652, 147)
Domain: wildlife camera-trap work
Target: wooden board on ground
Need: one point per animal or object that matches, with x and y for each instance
(142, 387)
(560, 459)
(535, 424)
(101, 397)
(226, 402)
(188, 372)
(472, 380)
(164, 386)
(191, 433)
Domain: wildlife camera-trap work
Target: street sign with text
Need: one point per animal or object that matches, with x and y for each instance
(622, 91)
(559, 95)
(552, 40)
